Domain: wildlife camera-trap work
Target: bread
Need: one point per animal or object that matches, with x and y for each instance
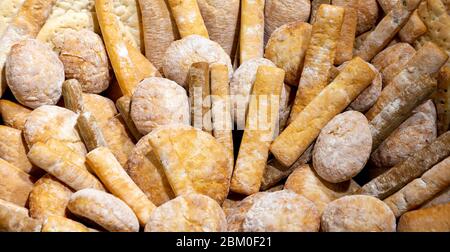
(221, 19)
(386, 29)
(344, 48)
(104, 209)
(147, 172)
(9, 9)
(418, 191)
(182, 53)
(441, 198)
(236, 215)
(14, 218)
(282, 211)
(159, 29)
(123, 106)
(392, 60)
(158, 101)
(188, 213)
(392, 180)
(188, 18)
(287, 47)
(281, 12)
(251, 36)
(343, 147)
(432, 219)
(34, 74)
(254, 148)
(49, 197)
(202, 168)
(13, 149)
(442, 100)
(84, 58)
(305, 182)
(56, 223)
(200, 96)
(315, 4)
(358, 213)
(367, 12)
(299, 135)
(13, 114)
(16, 184)
(319, 56)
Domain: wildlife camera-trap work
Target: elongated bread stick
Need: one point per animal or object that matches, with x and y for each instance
(421, 189)
(15, 185)
(117, 181)
(159, 29)
(13, 114)
(296, 138)
(315, 4)
(386, 29)
(15, 219)
(413, 167)
(260, 127)
(411, 87)
(188, 17)
(442, 100)
(26, 24)
(344, 48)
(123, 105)
(221, 109)
(127, 62)
(199, 96)
(319, 56)
(251, 38)
(56, 161)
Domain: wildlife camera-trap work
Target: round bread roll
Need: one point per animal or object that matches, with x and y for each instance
(104, 209)
(194, 48)
(34, 73)
(158, 101)
(343, 147)
(367, 12)
(50, 122)
(188, 213)
(236, 215)
(84, 57)
(282, 211)
(358, 213)
(280, 12)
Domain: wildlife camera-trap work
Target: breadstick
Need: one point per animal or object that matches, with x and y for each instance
(221, 109)
(421, 189)
(251, 38)
(260, 127)
(199, 96)
(117, 181)
(413, 167)
(159, 29)
(48, 197)
(410, 88)
(86, 123)
(188, 18)
(56, 223)
(315, 4)
(55, 159)
(319, 56)
(126, 60)
(15, 219)
(432, 219)
(13, 114)
(296, 138)
(13, 150)
(16, 184)
(123, 105)
(26, 24)
(386, 29)
(344, 48)
(442, 100)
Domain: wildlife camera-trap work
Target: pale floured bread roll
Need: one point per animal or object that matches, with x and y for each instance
(236, 213)
(8, 9)
(34, 73)
(194, 48)
(280, 12)
(16, 219)
(188, 213)
(158, 101)
(52, 122)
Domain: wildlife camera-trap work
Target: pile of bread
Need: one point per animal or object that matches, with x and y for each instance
(224, 115)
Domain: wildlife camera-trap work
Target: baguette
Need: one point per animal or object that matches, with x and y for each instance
(296, 138)
(344, 48)
(13, 114)
(254, 148)
(200, 96)
(421, 189)
(16, 185)
(432, 219)
(319, 57)
(16, 219)
(441, 198)
(315, 4)
(188, 18)
(251, 38)
(13, 149)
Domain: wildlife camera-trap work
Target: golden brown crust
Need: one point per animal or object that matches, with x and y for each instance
(344, 48)
(61, 224)
(15, 219)
(200, 96)
(367, 11)
(251, 37)
(13, 149)
(15, 185)
(13, 114)
(432, 219)
(188, 18)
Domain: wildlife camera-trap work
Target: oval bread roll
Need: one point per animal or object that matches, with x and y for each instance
(104, 209)
(188, 213)
(236, 214)
(432, 219)
(358, 213)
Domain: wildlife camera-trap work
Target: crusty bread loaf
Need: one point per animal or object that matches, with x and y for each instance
(432, 219)
(442, 100)
(13, 114)
(441, 198)
(8, 9)
(344, 48)
(13, 149)
(188, 18)
(15, 185)
(251, 36)
(16, 219)
(367, 11)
